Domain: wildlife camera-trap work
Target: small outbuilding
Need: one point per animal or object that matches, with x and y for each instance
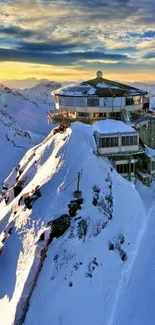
(116, 138)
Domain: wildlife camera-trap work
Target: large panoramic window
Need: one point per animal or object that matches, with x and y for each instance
(79, 101)
(108, 142)
(129, 140)
(106, 102)
(129, 101)
(61, 100)
(92, 101)
(69, 101)
(82, 114)
(117, 101)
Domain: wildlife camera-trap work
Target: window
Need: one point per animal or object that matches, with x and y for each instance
(116, 115)
(70, 101)
(61, 100)
(83, 114)
(92, 101)
(125, 141)
(108, 142)
(80, 101)
(129, 140)
(133, 140)
(99, 115)
(137, 100)
(117, 101)
(129, 101)
(106, 101)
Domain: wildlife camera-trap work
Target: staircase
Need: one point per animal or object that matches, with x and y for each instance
(126, 117)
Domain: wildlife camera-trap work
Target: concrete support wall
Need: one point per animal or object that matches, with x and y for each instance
(147, 134)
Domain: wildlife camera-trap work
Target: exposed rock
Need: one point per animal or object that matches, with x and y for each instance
(73, 206)
(59, 226)
(123, 255)
(111, 246)
(17, 189)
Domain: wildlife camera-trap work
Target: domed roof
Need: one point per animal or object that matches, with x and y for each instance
(100, 87)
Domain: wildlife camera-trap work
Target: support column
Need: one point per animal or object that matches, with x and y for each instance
(129, 168)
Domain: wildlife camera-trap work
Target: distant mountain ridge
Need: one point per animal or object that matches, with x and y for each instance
(29, 107)
(22, 84)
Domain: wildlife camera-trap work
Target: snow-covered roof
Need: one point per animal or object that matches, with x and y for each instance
(99, 87)
(112, 126)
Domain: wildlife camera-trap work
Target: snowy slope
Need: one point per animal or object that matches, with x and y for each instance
(27, 113)
(14, 142)
(41, 94)
(81, 280)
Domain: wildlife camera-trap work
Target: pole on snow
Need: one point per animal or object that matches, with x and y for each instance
(78, 193)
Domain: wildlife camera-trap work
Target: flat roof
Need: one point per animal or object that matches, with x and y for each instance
(109, 126)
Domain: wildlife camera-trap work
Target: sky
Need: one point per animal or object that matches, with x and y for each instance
(67, 40)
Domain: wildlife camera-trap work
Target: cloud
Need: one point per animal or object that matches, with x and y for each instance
(77, 32)
(150, 55)
(56, 58)
(16, 31)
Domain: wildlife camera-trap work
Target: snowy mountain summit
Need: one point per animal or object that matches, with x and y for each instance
(29, 107)
(41, 93)
(86, 246)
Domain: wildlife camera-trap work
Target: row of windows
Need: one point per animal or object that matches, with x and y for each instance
(99, 115)
(129, 140)
(124, 168)
(82, 114)
(95, 101)
(113, 141)
(108, 142)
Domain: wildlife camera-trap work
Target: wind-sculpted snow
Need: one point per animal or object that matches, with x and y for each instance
(81, 278)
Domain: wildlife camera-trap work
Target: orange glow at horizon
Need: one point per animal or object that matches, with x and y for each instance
(18, 70)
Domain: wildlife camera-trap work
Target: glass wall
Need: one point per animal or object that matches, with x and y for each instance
(129, 140)
(62, 100)
(70, 101)
(108, 142)
(117, 101)
(129, 101)
(80, 101)
(106, 102)
(92, 101)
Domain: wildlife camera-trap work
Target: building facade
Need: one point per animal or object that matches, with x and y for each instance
(97, 99)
